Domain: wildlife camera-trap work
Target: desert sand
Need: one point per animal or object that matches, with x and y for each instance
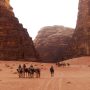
(73, 77)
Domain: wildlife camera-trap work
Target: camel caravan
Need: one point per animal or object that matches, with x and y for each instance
(29, 72)
(62, 64)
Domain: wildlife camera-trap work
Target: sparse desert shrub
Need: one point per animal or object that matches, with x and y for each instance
(11, 67)
(68, 64)
(0, 69)
(69, 82)
(7, 65)
(42, 65)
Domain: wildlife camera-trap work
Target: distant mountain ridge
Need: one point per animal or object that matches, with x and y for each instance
(51, 42)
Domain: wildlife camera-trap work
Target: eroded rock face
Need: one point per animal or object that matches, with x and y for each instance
(15, 42)
(81, 39)
(51, 42)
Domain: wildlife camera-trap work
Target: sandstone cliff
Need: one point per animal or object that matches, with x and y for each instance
(80, 44)
(15, 42)
(52, 41)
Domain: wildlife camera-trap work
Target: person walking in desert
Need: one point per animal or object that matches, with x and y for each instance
(52, 71)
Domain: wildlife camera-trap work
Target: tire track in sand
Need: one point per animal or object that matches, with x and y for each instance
(51, 84)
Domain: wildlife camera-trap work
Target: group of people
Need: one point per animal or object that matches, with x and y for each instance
(31, 71)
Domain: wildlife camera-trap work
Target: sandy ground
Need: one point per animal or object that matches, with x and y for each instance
(73, 77)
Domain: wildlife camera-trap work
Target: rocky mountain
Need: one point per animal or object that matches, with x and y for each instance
(15, 42)
(80, 44)
(52, 41)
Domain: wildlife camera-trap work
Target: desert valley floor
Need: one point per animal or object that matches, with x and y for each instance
(73, 77)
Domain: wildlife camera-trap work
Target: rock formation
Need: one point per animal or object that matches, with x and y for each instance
(51, 42)
(80, 44)
(15, 42)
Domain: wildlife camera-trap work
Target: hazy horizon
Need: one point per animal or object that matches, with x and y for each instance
(37, 14)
